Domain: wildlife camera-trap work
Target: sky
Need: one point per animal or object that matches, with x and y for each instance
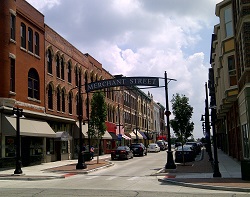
(143, 38)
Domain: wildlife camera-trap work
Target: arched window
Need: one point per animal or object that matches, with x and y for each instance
(49, 62)
(63, 101)
(50, 97)
(57, 66)
(33, 84)
(77, 104)
(62, 69)
(70, 103)
(58, 99)
(76, 77)
(69, 72)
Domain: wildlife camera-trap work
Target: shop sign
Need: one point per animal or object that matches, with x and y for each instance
(124, 81)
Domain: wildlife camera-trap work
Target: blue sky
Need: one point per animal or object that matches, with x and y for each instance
(143, 38)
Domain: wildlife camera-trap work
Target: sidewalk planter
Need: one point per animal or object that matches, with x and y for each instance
(245, 169)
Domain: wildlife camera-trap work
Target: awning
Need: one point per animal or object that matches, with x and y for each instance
(126, 137)
(107, 136)
(84, 130)
(133, 135)
(143, 134)
(63, 136)
(28, 127)
(162, 137)
(113, 135)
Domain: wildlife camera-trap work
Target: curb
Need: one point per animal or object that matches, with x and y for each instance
(24, 177)
(201, 186)
(49, 177)
(95, 169)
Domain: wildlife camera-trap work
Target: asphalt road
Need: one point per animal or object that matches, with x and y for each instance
(132, 177)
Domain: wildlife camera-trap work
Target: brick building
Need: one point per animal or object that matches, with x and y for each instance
(40, 73)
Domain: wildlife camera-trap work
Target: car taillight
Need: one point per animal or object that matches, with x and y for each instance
(141, 148)
(123, 151)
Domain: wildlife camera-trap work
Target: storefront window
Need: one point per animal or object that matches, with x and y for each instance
(49, 146)
(64, 146)
(36, 146)
(9, 146)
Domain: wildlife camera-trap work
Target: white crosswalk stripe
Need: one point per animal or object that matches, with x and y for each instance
(92, 177)
(133, 178)
(111, 178)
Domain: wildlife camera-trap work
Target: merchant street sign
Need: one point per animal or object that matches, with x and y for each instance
(123, 81)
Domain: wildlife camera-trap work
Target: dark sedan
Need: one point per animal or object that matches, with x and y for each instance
(122, 152)
(138, 149)
(187, 154)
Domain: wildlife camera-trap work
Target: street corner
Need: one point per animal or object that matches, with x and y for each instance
(106, 165)
(25, 177)
(209, 183)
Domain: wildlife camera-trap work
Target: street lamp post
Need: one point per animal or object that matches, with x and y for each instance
(170, 161)
(119, 121)
(81, 162)
(18, 112)
(216, 162)
(207, 126)
(87, 109)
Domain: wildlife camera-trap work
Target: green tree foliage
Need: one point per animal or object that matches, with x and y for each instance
(182, 112)
(98, 115)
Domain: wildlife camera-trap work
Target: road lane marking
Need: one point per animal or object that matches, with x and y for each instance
(92, 177)
(133, 178)
(111, 178)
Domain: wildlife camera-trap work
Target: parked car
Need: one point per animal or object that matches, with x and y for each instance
(153, 147)
(188, 153)
(122, 152)
(138, 149)
(177, 144)
(161, 144)
(196, 147)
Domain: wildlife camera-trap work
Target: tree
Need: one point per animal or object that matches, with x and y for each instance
(98, 117)
(181, 124)
(182, 112)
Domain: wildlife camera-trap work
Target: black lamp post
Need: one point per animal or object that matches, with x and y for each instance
(207, 126)
(213, 120)
(216, 162)
(170, 161)
(147, 123)
(119, 121)
(19, 113)
(87, 109)
(81, 162)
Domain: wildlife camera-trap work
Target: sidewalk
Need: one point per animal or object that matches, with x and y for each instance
(199, 174)
(55, 170)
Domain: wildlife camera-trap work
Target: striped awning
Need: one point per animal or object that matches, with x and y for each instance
(126, 137)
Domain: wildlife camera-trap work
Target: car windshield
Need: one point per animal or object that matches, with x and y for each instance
(121, 148)
(185, 148)
(135, 145)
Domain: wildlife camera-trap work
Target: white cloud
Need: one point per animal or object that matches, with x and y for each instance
(142, 38)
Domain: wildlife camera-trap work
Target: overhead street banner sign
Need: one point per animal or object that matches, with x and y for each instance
(123, 81)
